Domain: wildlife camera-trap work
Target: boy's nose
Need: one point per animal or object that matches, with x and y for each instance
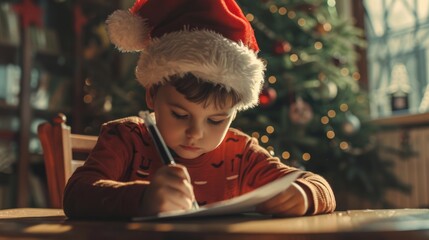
(194, 131)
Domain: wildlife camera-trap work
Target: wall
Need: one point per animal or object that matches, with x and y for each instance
(412, 170)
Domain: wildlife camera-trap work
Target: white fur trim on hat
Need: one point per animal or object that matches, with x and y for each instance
(127, 31)
(208, 56)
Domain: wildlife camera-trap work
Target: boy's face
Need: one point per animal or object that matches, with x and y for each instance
(188, 128)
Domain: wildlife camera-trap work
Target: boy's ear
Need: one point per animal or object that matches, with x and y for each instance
(149, 98)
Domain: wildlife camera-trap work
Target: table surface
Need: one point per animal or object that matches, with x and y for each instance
(39, 223)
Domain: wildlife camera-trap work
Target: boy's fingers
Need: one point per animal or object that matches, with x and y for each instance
(280, 198)
(157, 202)
(291, 202)
(171, 190)
(176, 199)
(181, 171)
(175, 178)
(183, 186)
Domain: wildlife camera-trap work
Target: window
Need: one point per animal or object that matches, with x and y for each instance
(398, 39)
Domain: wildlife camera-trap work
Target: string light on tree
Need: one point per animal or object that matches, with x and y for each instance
(294, 58)
(332, 113)
(344, 107)
(255, 134)
(330, 134)
(306, 156)
(285, 155)
(324, 120)
(272, 79)
(356, 76)
(301, 22)
(269, 129)
(250, 17)
(273, 8)
(291, 14)
(318, 45)
(345, 71)
(265, 139)
(282, 10)
(270, 149)
(322, 28)
(344, 145)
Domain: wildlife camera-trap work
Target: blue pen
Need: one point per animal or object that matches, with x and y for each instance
(160, 145)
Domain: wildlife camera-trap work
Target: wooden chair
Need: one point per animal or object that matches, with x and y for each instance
(63, 153)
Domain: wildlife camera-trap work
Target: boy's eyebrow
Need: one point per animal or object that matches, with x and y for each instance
(176, 105)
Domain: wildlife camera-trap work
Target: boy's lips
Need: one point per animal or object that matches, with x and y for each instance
(189, 148)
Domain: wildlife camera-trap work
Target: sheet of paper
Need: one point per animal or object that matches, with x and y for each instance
(241, 204)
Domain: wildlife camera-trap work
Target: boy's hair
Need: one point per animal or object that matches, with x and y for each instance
(200, 91)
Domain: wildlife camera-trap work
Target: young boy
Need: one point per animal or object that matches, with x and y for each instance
(199, 66)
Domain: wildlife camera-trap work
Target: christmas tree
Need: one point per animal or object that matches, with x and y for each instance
(312, 112)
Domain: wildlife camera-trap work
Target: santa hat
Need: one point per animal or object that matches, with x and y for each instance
(211, 39)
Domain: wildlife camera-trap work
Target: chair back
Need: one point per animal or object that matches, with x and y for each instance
(63, 152)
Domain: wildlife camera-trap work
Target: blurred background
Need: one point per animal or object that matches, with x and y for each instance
(346, 92)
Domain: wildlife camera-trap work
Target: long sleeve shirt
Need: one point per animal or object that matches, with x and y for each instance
(126, 159)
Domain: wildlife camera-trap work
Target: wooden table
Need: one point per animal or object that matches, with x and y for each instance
(34, 223)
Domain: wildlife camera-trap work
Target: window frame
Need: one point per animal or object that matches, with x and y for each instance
(409, 119)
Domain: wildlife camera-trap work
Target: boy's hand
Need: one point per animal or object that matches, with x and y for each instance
(291, 202)
(169, 190)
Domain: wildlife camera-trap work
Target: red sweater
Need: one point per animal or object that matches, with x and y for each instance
(125, 154)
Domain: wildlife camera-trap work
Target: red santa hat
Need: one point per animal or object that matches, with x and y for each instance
(211, 39)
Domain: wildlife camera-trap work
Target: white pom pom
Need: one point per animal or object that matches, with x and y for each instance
(127, 31)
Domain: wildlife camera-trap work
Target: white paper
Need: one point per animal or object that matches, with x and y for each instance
(241, 204)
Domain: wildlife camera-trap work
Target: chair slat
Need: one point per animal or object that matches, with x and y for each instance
(83, 143)
(59, 147)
